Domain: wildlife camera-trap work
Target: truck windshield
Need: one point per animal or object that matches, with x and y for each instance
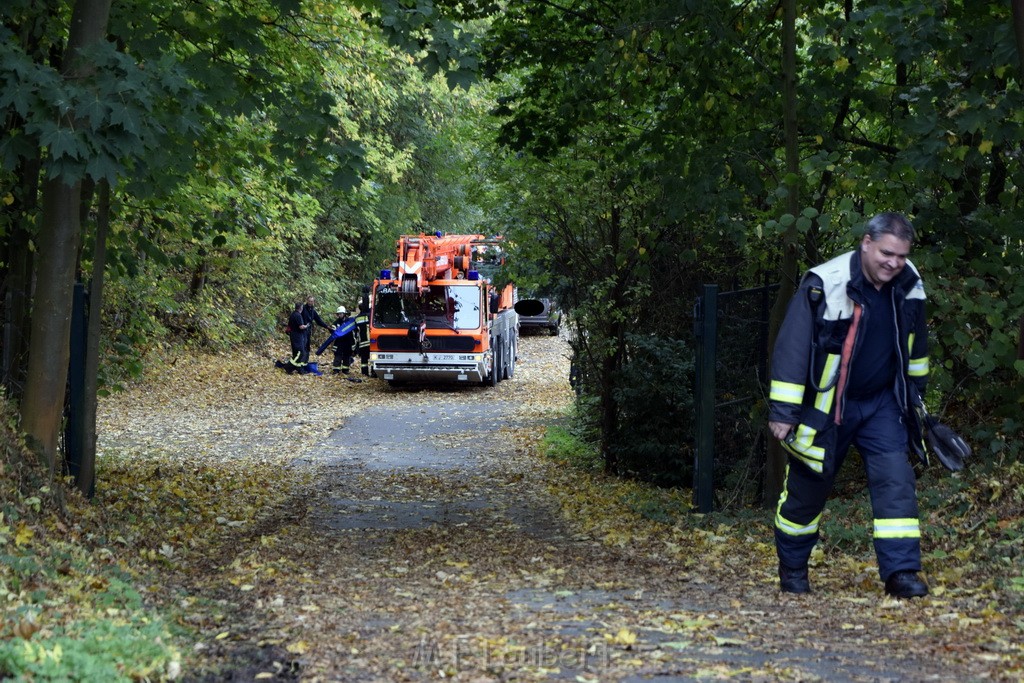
(452, 307)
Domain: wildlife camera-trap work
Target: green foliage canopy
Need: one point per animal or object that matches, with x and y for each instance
(907, 106)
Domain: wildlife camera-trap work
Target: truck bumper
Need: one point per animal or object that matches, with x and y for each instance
(417, 367)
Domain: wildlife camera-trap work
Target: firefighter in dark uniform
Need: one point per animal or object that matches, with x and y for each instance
(311, 317)
(849, 367)
(297, 336)
(363, 334)
(343, 345)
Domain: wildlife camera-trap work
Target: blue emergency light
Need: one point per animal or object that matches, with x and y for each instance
(473, 275)
(385, 274)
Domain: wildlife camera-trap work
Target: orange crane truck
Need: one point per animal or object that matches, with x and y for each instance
(436, 314)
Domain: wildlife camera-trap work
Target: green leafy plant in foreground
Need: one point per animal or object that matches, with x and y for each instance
(101, 650)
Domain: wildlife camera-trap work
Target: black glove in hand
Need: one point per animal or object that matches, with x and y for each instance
(915, 436)
(948, 446)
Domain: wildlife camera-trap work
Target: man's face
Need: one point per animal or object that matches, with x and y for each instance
(311, 301)
(883, 259)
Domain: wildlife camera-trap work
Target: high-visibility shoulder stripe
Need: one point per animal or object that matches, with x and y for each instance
(897, 528)
(786, 392)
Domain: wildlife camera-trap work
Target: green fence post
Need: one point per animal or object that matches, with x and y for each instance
(707, 332)
(74, 431)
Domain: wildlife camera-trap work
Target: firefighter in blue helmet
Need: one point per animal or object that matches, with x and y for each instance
(849, 367)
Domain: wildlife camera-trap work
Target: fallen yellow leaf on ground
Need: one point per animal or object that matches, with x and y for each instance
(299, 647)
(624, 637)
(23, 536)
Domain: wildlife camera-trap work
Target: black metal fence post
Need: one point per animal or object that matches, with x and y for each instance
(74, 431)
(707, 332)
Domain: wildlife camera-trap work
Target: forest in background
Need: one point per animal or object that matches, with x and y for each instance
(202, 167)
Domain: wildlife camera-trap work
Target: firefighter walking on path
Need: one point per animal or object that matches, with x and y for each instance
(849, 367)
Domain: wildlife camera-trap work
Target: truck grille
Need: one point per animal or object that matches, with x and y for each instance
(403, 343)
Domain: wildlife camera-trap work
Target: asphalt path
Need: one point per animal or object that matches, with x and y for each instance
(427, 467)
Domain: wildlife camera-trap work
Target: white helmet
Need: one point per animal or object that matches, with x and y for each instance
(341, 309)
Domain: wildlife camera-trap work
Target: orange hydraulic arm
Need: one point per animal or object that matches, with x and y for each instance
(424, 258)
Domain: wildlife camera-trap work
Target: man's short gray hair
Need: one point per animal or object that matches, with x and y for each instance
(890, 223)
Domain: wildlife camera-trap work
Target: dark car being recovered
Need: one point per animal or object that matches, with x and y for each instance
(540, 313)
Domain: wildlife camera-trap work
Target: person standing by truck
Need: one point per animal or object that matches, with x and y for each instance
(363, 334)
(849, 367)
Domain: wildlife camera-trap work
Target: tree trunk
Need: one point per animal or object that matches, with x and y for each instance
(611, 357)
(1018, 31)
(19, 261)
(609, 415)
(17, 253)
(199, 274)
(43, 404)
(87, 468)
(775, 469)
(59, 238)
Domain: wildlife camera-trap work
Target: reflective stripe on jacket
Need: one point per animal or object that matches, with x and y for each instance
(363, 329)
(803, 392)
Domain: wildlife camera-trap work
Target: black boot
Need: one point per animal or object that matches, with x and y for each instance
(794, 580)
(905, 585)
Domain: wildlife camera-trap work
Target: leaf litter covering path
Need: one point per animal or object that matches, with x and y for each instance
(432, 542)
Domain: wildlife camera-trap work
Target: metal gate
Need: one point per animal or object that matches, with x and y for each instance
(731, 377)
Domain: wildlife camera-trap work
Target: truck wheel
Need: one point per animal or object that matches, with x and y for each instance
(496, 363)
(505, 360)
(504, 363)
(512, 360)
